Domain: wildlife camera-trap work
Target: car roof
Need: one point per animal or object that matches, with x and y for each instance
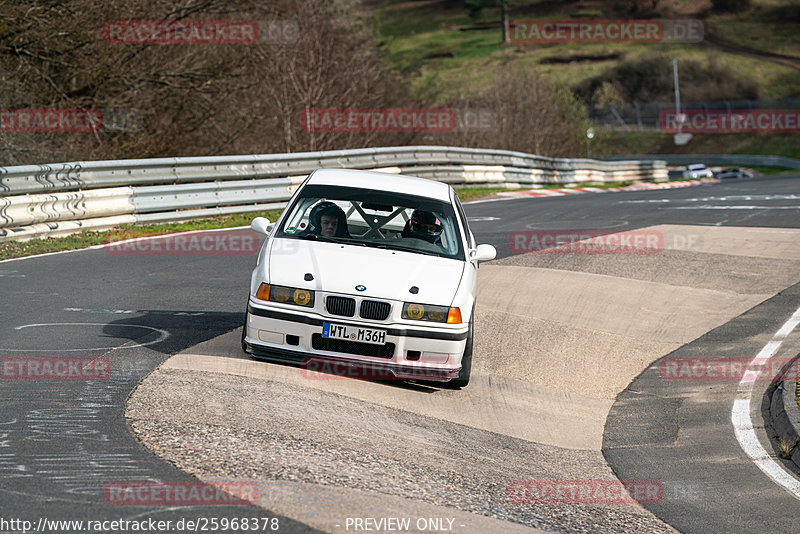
(382, 181)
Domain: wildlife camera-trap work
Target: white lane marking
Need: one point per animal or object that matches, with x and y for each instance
(729, 198)
(709, 207)
(648, 201)
(117, 243)
(164, 335)
(515, 197)
(482, 219)
(117, 312)
(580, 225)
(743, 424)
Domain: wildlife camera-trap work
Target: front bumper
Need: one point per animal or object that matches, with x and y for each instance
(422, 353)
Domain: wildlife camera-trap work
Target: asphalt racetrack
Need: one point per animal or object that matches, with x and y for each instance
(568, 385)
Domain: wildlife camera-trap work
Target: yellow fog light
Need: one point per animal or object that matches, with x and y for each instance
(437, 315)
(454, 316)
(301, 297)
(415, 311)
(281, 294)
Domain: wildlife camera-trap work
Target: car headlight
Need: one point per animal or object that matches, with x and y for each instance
(285, 295)
(427, 312)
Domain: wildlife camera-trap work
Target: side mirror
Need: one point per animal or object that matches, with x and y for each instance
(483, 253)
(260, 225)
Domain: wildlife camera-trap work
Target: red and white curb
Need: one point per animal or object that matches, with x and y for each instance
(644, 186)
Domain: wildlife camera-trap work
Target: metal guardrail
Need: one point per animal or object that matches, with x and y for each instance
(58, 199)
(31, 209)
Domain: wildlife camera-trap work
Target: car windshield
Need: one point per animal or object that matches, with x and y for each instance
(365, 217)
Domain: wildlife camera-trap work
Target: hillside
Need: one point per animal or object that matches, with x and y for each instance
(79, 82)
(749, 58)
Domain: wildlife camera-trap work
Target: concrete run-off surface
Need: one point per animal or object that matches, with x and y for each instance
(558, 336)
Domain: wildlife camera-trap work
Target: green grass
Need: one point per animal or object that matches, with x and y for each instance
(772, 171)
(477, 57)
(16, 249)
(606, 185)
(652, 142)
(465, 194)
(766, 26)
(411, 33)
(786, 447)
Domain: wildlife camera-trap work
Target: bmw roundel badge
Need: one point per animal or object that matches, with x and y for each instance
(359, 287)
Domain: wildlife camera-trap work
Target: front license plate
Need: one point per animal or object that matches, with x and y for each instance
(354, 333)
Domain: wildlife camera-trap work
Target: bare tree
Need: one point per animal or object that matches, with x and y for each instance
(327, 68)
(187, 99)
(506, 32)
(212, 99)
(526, 113)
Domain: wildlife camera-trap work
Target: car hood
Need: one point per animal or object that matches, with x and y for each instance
(387, 274)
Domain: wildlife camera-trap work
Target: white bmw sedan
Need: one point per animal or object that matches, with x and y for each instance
(368, 270)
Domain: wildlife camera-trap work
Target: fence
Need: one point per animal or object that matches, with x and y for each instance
(722, 160)
(645, 116)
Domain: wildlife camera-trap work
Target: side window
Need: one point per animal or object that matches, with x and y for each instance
(463, 217)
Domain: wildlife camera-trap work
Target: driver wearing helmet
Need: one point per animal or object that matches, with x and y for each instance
(328, 220)
(423, 225)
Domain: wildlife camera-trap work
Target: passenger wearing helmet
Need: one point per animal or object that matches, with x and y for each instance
(328, 220)
(423, 225)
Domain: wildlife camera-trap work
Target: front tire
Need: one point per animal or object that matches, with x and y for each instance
(466, 364)
(244, 329)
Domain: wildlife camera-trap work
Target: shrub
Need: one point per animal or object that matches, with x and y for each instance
(729, 5)
(530, 114)
(650, 79)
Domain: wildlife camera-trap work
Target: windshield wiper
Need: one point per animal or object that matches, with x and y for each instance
(392, 246)
(315, 237)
